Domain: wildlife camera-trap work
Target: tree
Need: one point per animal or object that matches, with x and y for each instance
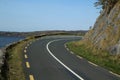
(90, 27)
(106, 5)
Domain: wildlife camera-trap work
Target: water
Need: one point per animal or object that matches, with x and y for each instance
(4, 40)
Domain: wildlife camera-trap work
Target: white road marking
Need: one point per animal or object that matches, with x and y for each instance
(92, 63)
(47, 46)
(65, 45)
(67, 49)
(71, 52)
(79, 57)
(114, 73)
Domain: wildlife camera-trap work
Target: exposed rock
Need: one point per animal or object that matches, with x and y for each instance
(1, 62)
(105, 34)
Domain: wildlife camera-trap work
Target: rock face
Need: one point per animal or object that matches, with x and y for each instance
(105, 34)
(1, 63)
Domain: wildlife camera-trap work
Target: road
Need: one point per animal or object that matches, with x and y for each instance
(48, 59)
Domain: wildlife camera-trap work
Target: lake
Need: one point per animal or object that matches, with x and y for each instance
(4, 40)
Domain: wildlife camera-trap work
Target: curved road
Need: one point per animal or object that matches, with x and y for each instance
(48, 59)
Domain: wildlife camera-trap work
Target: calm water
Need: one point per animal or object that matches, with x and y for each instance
(6, 40)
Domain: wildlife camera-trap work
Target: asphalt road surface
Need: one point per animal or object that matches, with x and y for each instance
(48, 59)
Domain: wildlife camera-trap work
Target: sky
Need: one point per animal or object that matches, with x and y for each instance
(40, 15)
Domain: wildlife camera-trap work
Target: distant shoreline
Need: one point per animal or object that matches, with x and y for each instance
(6, 40)
(26, 34)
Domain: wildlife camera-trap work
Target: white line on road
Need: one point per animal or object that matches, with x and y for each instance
(114, 73)
(65, 45)
(79, 57)
(92, 63)
(71, 52)
(47, 46)
(67, 49)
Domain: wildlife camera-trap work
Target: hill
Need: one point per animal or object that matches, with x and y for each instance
(37, 33)
(105, 34)
(101, 44)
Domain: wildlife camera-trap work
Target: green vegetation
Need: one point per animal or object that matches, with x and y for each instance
(13, 69)
(106, 33)
(106, 4)
(99, 57)
(15, 63)
(100, 44)
(14, 60)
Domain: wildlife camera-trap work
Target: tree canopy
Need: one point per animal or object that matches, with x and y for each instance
(106, 4)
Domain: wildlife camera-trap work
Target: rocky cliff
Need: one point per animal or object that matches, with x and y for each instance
(105, 34)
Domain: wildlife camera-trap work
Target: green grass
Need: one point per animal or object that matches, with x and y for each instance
(15, 62)
(101, 58)
(15, 59)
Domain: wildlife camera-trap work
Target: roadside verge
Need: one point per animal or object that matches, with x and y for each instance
(101, 58)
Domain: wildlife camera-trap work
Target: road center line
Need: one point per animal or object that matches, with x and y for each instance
(31, 77)
(27, 65)
(47, 46)
(25, 56)
(25, 51)
(26, 47)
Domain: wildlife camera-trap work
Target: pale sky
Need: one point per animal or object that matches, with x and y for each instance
(40, 15)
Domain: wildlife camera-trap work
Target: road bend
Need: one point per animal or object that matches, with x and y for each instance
(48, 58)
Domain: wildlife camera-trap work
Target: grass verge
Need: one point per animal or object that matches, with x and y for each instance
(101, 58)
(15, 58)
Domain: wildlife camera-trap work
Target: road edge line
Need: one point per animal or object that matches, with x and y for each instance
(61, 61)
